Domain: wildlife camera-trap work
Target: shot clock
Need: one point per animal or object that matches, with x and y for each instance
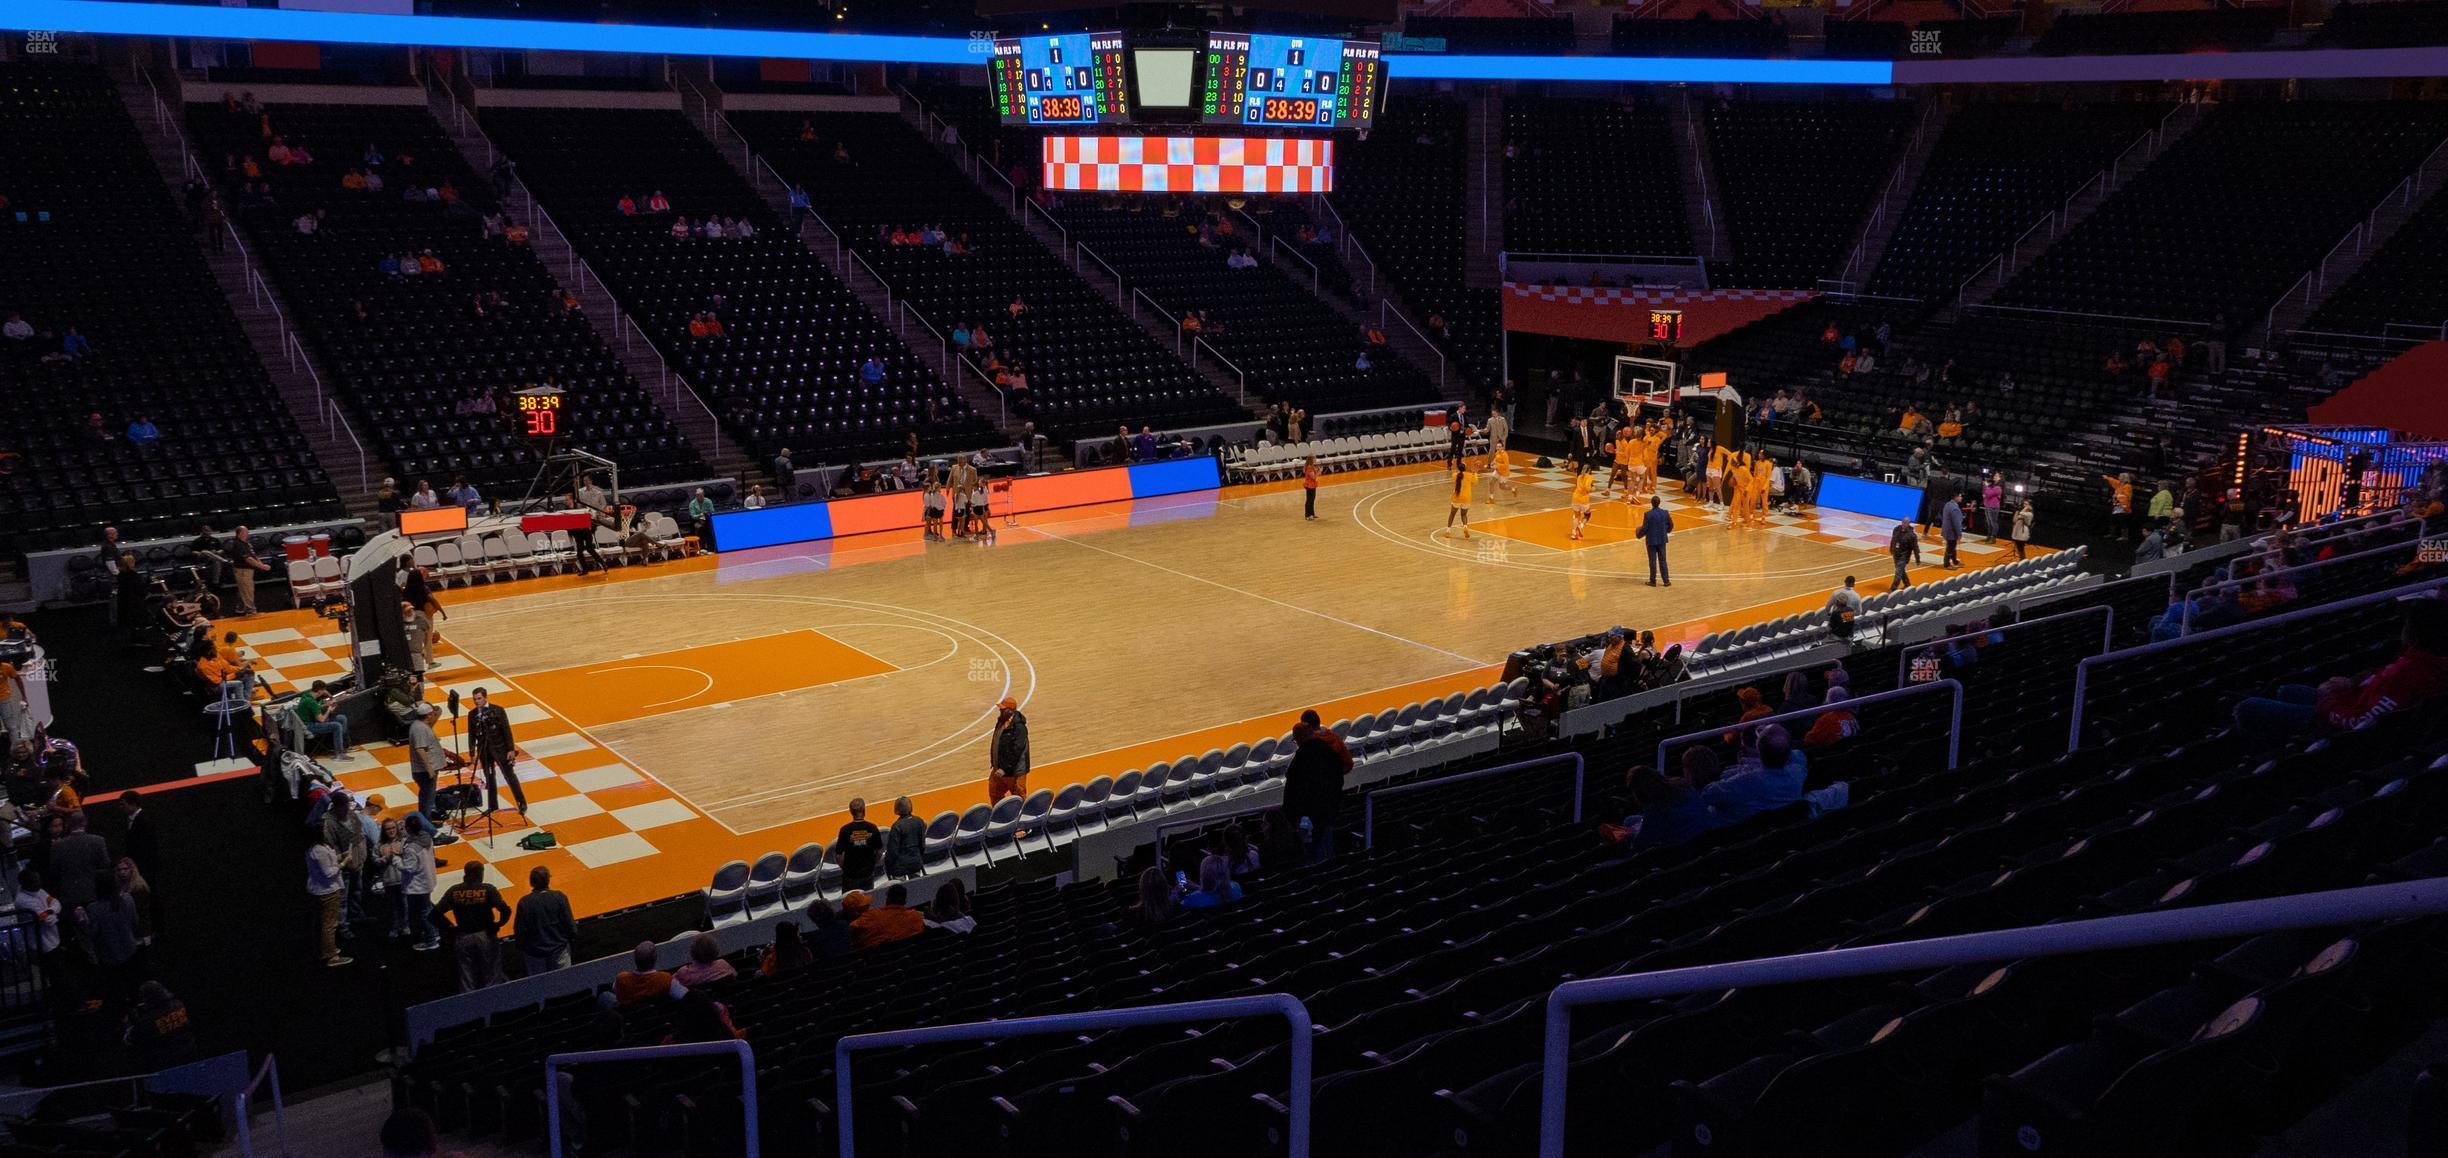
(539, 413)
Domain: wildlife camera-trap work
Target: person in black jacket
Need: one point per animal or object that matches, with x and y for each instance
(1008, 755)
(1313, 788)
(496, 751)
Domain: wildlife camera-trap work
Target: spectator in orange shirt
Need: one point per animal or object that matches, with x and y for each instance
(893, 920)
(1834, 724)
(641, 981)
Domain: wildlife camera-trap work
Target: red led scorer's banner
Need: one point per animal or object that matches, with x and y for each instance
(1190, 164)
(1609, 314)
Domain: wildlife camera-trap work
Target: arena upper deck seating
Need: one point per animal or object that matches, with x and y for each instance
(1089, 366)
(786, 373)
(2398, 291)
(1571, 155)
(2232, 214)
(2193, 30)
(1701, 36)
(91, 239)
(2384, 24)
(1994, 173)
(1276, 331)
(1403, 192)
(1429, 984)
(1526, 34)
(1844, 153)
(424, 348)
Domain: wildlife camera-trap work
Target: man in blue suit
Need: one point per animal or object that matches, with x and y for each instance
(1655, 527)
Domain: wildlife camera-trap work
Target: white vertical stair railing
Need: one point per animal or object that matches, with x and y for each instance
(734, 1048)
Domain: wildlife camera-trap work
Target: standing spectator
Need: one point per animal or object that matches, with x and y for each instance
(858, 847)
(2022, 528)
(463, 494)
(77, 857)
(1309, 487)
(475, 912)
(387, 502)
(158, 1029)
(784, 472)
(1951, 529)
(546, 928)
(423, 497)
(142, 842)
(904, 842)
(2120, 505)
(426, 759)
(43, 910)
(245, 565)
(496, 751)
(1905, 548)
(1313, 787)
(1993, 500)
(414, 916)
(1008, 753)
(325, 884)
(1656, 526)
(110, 921)
(1917, 471)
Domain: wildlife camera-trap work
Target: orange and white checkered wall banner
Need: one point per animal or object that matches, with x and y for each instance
(1190, 164)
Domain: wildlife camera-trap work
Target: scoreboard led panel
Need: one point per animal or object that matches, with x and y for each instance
(1289, 81)
(1076, 78)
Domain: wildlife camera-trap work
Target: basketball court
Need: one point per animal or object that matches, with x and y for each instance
(678, 716)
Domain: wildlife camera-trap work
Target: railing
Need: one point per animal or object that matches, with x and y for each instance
(1083, 250)
(1343, 235)
(297, 355)
(733, 1048)
(943, 345)
(1169, 827)
(2185, 323)
(1002, 399)
(332, 417)
(2233, 920)
(1261, 1005)
(2048, 222)
(1062, 250)
(879, 278)
(1964, 287)
(629, 330)
(1368, 800)
(1007, 183)
(1160, 310)
(1278, 251)
(2082, 670)
(1351, 249)
(1197, 344)
(1383, 313)
(266, 1074)
(2107, 635)
(2185, 617)
(1257, 229)
(1953, 689)
(1895, 181)
(2256, 551)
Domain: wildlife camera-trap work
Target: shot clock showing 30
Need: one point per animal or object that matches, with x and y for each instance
(539, 413)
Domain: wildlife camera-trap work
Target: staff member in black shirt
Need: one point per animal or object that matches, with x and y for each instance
(858, 846)
(1008, 758)
(496, 751)
(475, 913)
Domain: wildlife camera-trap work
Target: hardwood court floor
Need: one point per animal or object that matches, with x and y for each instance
(772, 686)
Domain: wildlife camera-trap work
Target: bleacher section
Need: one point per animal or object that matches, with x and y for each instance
(1796, 180)
(1729, 39)
(1571, 155)
(786, 373)
(1996, 172)
(1428, 983)
(1089, 367)
(1290, 345)
(1403, 192)
(1511, 34)
(2196, 30)
(90, 239)
(2398, 292)
(2384, 24)
(2224, 220)
(428, 346)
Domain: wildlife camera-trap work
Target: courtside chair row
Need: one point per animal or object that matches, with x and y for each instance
(1356, 452)
(742, 892)
(1765, 642)
(507, 554)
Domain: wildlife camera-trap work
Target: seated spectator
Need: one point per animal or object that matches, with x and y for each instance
(680, 229)
(1767, 777)
(950, 908)
(705, 964)
(2417, 676)
(893, 920)
(1216, 887)
(627, 206)
(1834, 724)
(17, 329)
(701, 1018)
(1156, 902)
(1670, 813)
(960, 335)
(656, 203)
(142, 432)
(428, 263)
(1233, 844)
(871, 371)
(828, 934)
(641, 981)
(787, 954)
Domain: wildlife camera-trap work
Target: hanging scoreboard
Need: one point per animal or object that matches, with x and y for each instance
(1076, 78)
(1264, 80)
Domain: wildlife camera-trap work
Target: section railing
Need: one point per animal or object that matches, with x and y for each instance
(1368, 800)
(2107, 636)
(1218, 1009)
(1383, 312)
(1197, 344)
(267, 1078)
(332, 418)
(1161, 312)
(2082, 670)
(2237, 586)
(943, 345)
(1952, 688)
(749, 1146)
(1279, 251)
(1062, 249)
(2234, 920)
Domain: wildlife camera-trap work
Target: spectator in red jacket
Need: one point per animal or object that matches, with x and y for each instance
(2343, 703)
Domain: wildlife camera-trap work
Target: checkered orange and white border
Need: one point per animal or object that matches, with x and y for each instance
(1189, 164)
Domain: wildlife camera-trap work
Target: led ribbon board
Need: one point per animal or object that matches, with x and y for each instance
(1189, 164)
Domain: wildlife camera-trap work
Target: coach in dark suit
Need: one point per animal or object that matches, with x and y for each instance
(496, 751)
(1655, 527)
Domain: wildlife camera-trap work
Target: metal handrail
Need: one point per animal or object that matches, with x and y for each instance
(1063, 250)
(268, 1072)
(1083, 250)
(1953, 688)
(2232, 920)
(2082, 670)
(1313, 267)
(1257, 227)
(862, 264)
(1015, 189)
(1368, 800)
(1166, 827)
(2067, 206)
(1383, 312)
(2185, 617)
(1152, 304)
(2107, 635)
(1196, 343)
(943, 344)
(1002, 397)
(733, 1048)
(2016, 246)
(1352, 247)
(1260, 1005)
(1965, 285)
(2259, 550)
(651, 348)
(1615, 258)
(2185, 322)
(297, 354)
(332, 410)
(265, 297)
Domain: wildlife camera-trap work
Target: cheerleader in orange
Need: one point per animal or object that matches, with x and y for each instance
(1502, 463)
(1712, 485)
(1581, 499)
